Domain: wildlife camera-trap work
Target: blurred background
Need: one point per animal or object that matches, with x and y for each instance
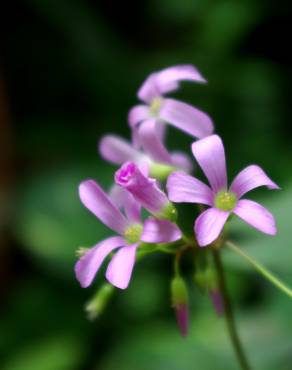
(69, 73)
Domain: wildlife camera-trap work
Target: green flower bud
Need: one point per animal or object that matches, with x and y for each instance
(98, 303)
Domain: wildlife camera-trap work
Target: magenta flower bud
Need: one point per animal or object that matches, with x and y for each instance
(217, 301)
(180, 299)
(145, 190)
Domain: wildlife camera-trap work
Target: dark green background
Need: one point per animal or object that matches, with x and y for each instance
(69, 73)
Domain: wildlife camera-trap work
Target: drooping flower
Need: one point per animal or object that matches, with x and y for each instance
(132, 231)
(145, 190)
(148, 119)
(209, 153)
(154, 159)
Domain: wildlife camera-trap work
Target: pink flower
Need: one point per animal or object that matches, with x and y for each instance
(118, 151)
(131, 232)
(148, 119)
(145, 191)
(209, 153)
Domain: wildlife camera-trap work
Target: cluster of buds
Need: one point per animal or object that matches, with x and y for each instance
(152, 178)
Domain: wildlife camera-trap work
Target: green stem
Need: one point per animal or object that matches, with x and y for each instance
(261, 269)
(229, 313)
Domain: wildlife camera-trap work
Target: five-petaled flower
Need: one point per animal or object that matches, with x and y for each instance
(210, 155)
(147, 120)
(132, 231)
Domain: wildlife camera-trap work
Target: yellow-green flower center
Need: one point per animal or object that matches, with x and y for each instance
(155, 106)
(133, 233)
(225, 200)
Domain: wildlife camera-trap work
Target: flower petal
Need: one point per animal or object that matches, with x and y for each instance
(88, 265)
(99, 203)
(186, 118)
(120, 268)
(160, 231)
(117, 150)
(250, 178)
(167, 80)
(151, 143)
(138, 114)
(182, 161)
(123, 199)
(183, 188)
(256, 215)
(149, 89)
(210, 155)
(209, 225)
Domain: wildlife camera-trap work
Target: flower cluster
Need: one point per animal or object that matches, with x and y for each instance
(145, 166)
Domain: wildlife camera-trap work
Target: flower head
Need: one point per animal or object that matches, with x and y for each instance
(157, 110)
(132, 231)
(209, 153)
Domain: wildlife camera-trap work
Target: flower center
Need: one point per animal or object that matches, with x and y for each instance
(155, 106)
(133, 233)
(225, 200)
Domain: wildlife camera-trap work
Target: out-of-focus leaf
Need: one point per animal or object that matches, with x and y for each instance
(56, 353)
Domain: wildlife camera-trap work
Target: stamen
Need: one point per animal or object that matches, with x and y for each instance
(133, 233)
(155, 106)
(225, 200)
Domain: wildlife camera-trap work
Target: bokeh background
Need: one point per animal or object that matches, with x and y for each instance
(69, 73)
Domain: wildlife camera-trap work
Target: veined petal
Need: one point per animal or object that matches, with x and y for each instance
(210, 155)
(120, 268)
(117, 150)
(151, 143)
(182, 161)
(99, 203)
(256, 215)
(88, 265)
(138, 114)
(186, 118)
(160, 231)
(209, 224)
(183, 188)
(250, 178)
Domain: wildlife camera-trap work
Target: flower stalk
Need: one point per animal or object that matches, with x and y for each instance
(261, 269)
(241, 357)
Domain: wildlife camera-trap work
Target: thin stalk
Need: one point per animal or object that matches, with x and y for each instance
(261, 269)
(228, 312)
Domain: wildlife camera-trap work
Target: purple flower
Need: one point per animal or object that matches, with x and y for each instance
(145, 191)
(209, 153)
(149, 118)
(131, 232)
(155, 158)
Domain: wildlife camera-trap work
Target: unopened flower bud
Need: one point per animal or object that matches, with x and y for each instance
(206, 281)
(98, 303)
(145, 190)
(180, 300)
